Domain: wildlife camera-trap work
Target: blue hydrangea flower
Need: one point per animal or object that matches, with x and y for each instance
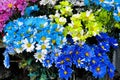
(102, 36)
(10, 27)
(87, 2)
(9, 50)
(107, 4)
(111, 70)
(104, 46)
(63, 61)
(87, 52)
(68, 59)
(55, 54)
(79, 62)
(56, 28)
(117, 1)
(77, 51)
(6, 60)
(56, 39)
(94, 61)
(104, 59)
(99, 70)
(113, 42)
(30, 9)
(68, 49)
(116, 13)
(65, 73)
(47, 62)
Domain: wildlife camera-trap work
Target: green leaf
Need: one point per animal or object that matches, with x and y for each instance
(43, 77)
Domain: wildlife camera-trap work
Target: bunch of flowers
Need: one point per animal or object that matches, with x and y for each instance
(82, 25)
(63, 40)
(92, 58)
(33, 34)
(10, 7)
(110, 5)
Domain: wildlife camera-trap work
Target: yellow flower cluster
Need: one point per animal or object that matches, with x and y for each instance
(83, 25)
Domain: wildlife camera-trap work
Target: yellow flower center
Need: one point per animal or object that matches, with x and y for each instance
(53, 41)
(28, 45)
(99, 54)
(10, 5)
(56, 55)
(43, 38)
(43, 47)
(39, 56)
(118, 13)
(93, 61)
(20, 48)
(48, 61)
(48, 31)
(77, 52)
(102, 47)
(65, 72)
(21, 34)
(27, 31)
(41, 26)
(79, 61)
(101, 0)
(67, 59)
(57, 30)
(86, 54)
(98, 69)
(62, 62)
(9, 27)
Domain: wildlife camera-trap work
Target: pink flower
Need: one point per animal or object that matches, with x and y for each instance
(10, 4)
(8, 7)
(1, 26)
(21, 5)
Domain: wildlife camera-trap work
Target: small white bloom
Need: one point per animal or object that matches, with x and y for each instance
(39, 56)
(45, 24)
(19, 50)
(44, 2)
(53, 2)
(57, 14)
(62, 19)
(43, 47)
(88, 13)
(28, 46)
(20, 23)
(75, 39)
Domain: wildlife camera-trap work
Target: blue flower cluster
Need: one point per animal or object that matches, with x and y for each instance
(110, 5)
(92, 58)
(33, 34)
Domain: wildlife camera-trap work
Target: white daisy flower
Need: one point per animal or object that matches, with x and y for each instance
(19, 50)
(44, 2)
(28, 46)
(53, 2)
(44, 39)
(39, 56)
(43, 47)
